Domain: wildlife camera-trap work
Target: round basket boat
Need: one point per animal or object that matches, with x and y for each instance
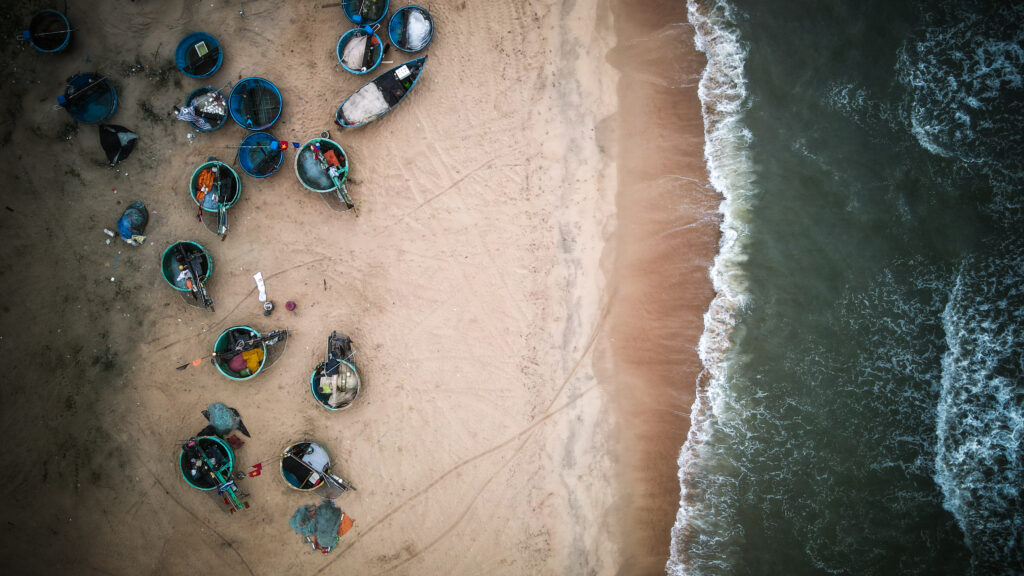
(89, 98)
(204, 95)
(296, 462)
(260, 155)
(255, 103)
(198, 55)
(411, 28)
(365, 60)
(197, 473)
(228, 341)
(48, 31)
(367, 12)
(170, 267)
(308, 169)
(230, 186)
(349, 373)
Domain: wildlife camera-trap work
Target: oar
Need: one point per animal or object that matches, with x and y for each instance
(193, 262)
(222, 212)
(51, 33)
(327, 476)
(247, 345)
(342, 191)
(81, 91)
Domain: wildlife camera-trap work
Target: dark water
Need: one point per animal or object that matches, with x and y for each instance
(866, 407)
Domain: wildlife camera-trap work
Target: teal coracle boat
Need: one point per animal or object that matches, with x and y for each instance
(208, 463)
(215, 187)
(217, 452)
(232, 350)
(322, 166)
(335, 383)
(306, 466)
(187, 266)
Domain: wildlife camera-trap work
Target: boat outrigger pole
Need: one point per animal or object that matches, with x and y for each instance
(330, 477)
(193, 264)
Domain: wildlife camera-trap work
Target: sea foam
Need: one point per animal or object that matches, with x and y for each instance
(703, 529)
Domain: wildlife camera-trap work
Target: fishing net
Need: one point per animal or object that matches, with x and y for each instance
(355, 51)
(311, 171)
(417, 30)
(319, 524)
(223, 419)
(117, 142)
(366, 104)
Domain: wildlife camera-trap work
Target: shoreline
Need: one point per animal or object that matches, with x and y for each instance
(665, 241)
(506, 239)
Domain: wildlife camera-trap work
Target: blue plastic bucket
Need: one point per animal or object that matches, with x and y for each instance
(376, 48)
(365, 12)
(48, 31)
(396, 28)
(89, 98)
(255, 103)
(198, 55)
(223, 344)
(259, 155)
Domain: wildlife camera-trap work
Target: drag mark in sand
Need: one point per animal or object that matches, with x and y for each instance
(528, 432)
(243, 299)
(436, 196)
(226, 542)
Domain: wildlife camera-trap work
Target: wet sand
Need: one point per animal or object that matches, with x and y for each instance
(490, 282)
(665, 241)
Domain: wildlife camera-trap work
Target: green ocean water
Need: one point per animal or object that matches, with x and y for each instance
(866, 407)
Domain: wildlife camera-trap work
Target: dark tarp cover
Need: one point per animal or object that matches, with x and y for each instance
(117, 141)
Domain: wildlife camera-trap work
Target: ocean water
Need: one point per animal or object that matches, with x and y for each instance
(864, 412)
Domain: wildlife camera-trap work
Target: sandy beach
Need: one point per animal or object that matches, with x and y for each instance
(523, 280)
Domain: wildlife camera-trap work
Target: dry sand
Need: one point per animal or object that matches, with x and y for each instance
(523, 284)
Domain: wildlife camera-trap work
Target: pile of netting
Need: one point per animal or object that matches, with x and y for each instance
(319, 524)
(223, 419)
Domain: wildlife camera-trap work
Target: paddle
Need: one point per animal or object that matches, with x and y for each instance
(270, 338)
(194, 264)
(222, 212)
(82, 91)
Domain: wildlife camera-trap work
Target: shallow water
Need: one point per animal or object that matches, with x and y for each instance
(866, 411)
